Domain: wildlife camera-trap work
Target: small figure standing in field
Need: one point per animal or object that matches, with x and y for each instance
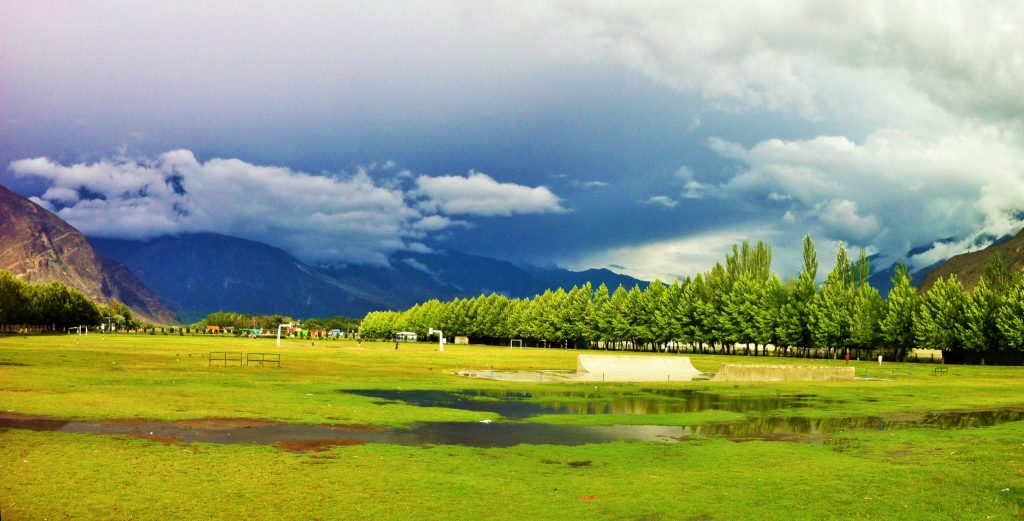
(847, 358)
(396, 346)
(879, 359)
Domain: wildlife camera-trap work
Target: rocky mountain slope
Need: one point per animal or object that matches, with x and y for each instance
(969, 267)
(38, 247)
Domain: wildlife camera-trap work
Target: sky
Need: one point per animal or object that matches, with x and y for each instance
(644, 137)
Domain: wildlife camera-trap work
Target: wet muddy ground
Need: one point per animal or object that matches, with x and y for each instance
(518, 404)
(512, 406)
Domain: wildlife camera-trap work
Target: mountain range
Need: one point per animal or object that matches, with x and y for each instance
(201, 273)
(185, 277)
(969, 267)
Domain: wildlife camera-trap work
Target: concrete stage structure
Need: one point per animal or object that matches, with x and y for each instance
(635, 368)
(782, 373)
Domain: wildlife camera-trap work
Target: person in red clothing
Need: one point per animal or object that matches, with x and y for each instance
(847, 358)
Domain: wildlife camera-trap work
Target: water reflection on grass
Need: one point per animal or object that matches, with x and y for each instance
(520, 404)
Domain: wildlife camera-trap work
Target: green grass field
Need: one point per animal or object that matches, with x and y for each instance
(914, 473)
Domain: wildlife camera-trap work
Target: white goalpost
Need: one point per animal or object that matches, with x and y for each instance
(515, 342)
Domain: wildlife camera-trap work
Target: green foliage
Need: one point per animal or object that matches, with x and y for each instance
(739, 301)
(970, 473)
(1010, 317)
(831, 310)
(980, 329)
(897, 326)
(938, 323)
(15, 300)
(53, 304)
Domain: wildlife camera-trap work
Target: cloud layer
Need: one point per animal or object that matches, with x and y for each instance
(885, 124)
(478, 194)
(321, 218)
(917, 105)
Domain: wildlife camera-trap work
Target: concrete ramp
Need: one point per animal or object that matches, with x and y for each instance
(782, 373)
(634, 368)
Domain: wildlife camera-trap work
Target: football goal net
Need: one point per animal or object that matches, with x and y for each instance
(515, 342)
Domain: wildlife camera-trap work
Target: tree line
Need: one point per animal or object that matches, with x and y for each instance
(741, 304)
(240, 321)
(54, 306)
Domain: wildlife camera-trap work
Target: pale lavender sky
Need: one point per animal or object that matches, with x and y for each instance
(644, 136)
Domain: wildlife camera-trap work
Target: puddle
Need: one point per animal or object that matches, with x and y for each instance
(514, 405)
(306, 438)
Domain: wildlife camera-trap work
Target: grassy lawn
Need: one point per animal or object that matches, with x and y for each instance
(862, 474)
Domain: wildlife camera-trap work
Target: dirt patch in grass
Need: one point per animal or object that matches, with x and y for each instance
(306, 446)
(222, 423)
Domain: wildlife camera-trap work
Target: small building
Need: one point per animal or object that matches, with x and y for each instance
(335, 333)
(212, 328)
(405, 336)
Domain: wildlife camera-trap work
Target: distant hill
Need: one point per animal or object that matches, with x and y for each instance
(882, 279)
(198, 274)
(969, 267)
(561, 278)
(39, 247)
(412, 278)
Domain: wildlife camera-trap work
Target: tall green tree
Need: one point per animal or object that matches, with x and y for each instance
(831, 309)
(768, 315)
(980, 327)
(1010, 317)
(576, 312)
(868, 308)
(939, 320)
(897, 325)
(15, 300)
(620, 325)
(794, 327)
(741, 309)
(602, 319)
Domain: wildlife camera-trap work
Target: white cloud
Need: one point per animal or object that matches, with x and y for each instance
(347, 218)
(433, 223)
(685, 173)
(923, 99)
(894, 190)
(674, 258)
(61, 194)
(695, 190)
(42, 202)
(595, 184)
(479, 194)
(842, 220)
(661, 200)
(942, 250)
(807, 57)
(692, 189)
(417, 265)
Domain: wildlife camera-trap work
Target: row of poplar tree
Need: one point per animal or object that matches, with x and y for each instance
(741, 303)
(52, 305)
